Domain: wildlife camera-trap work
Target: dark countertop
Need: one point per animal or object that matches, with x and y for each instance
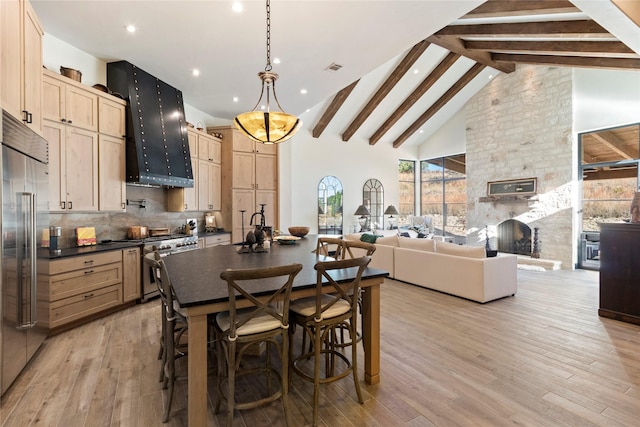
(195, 275)
(86, 250)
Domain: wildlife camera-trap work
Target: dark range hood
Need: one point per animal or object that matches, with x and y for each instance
(157, 144)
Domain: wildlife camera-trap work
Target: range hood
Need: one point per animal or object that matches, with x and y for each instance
(157, 144)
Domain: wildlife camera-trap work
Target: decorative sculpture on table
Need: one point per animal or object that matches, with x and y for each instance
(244, 249)
(255, 237)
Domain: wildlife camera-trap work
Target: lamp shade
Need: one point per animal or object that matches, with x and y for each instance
(391, 210)
(362, 210)
(268, 127)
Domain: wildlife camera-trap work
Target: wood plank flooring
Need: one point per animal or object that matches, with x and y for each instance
(541, 358)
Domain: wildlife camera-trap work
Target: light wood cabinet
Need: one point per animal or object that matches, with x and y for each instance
(73, 168)
(249, 178)
(87, 168)
(205, 162)
(21, 66)
(217, 239)
(83, 285)
(112, 188)
(69, 102)
(131, 274)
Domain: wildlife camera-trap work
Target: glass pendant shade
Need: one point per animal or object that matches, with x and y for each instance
(268, 127)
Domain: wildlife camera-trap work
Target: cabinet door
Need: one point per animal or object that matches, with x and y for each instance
(192, 137)
(81, 108)
(54, 133)
(81, 169)
(191, 193)
(111, 118)
(242, 143)
(266, 148)
(32, 73)
(131, 274)
(11, 64)
(266, 172)
(270, 200)
(243, 170)
(204, 185)
(242, 200)
(111, 174)
(53, 99)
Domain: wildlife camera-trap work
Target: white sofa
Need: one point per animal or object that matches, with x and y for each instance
(464, 271)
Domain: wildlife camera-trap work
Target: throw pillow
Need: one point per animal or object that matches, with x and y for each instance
(418, 244)
(368, 238)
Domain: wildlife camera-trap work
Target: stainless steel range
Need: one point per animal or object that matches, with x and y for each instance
(166, 245)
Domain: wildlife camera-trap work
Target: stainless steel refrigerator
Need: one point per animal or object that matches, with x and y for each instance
(24, 199)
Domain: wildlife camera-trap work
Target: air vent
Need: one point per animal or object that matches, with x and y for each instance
(333, 67)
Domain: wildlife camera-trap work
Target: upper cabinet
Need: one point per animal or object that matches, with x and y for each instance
(69, 102)
(21, 65)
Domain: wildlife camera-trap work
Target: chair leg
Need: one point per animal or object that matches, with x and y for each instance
(231, 382)
(354, 363)
(284, 380)
(316, 374)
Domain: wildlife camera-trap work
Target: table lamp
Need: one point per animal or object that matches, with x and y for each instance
(363, 212)
(391, 211)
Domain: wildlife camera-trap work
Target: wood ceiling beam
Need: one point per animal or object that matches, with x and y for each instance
(518, 8)
(332, 109)
(577, 48)
(415, 96)
(456, 166)
(581, 29)
(441, 102)
(405, 65)
(456, 45)
(615, 144)
(610, 174)
(570, 61)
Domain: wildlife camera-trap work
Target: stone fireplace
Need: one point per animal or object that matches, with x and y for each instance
(514, 237)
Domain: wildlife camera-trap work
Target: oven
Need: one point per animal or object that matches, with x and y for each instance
(166, 245)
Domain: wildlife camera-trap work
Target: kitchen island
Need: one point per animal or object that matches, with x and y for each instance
(195, 276)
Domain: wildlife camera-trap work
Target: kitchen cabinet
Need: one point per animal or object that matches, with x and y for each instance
(217, 239)
(131, 274)
(249, 178)
(112, 188)
(83, 285)
(73, 168)
(111, 116)
(205, 164)
(21, 66)
(69, 102)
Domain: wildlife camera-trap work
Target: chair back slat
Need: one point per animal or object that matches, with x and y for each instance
(325, 245)
(357, 249)
(330, 272)
(239, 285)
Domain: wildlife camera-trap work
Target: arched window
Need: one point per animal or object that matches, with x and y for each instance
(330, 205)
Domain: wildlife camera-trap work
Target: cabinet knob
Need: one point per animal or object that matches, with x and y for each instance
(63, 120)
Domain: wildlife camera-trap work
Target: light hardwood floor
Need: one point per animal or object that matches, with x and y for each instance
(541, 358)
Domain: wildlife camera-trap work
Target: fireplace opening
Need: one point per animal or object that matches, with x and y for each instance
(514, 237)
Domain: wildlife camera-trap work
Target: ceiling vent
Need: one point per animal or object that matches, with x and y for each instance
(333, 67)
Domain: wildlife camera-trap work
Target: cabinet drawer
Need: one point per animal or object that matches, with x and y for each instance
(84, 261)
(65, 285)
(222, 239)
(79, 306)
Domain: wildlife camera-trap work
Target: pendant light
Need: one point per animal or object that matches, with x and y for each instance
(268, 127)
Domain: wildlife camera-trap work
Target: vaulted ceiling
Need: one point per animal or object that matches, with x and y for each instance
(498, 34)
(388, 72)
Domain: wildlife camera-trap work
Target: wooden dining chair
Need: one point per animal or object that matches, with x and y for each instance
(333, 306)
(265, 318)
(174, 327)
(329, 247)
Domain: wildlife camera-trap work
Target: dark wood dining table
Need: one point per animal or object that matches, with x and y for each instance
(195, 276)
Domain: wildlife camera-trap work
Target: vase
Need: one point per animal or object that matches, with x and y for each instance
(635, 208)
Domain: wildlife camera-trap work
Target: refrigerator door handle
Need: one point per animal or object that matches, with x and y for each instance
(27, 257)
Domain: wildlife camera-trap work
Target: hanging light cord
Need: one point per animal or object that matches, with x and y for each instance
(268, 67)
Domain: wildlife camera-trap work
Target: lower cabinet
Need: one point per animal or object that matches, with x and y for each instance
(84, 285)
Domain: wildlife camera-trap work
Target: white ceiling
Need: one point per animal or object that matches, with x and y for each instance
(368, 38)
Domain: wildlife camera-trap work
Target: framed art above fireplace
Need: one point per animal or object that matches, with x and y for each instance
(512, 187)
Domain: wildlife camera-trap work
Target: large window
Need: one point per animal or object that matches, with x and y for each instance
(407, 193)
(609, 171)
(443, 194)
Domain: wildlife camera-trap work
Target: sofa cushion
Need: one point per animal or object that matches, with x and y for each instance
(387, 241)
(460, 250)
(352, 236)
(418, 244)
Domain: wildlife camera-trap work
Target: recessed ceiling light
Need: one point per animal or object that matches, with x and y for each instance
(421, 131)
(416, 71)
(195, 72)
(490, 76)
(303, 91)
(276, 60)
(237, 6)
(131, 28)
(235, 99)
(307, 110)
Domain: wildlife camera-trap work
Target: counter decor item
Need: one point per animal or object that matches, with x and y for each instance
(298, 231)
(286, 240)
(635, 208)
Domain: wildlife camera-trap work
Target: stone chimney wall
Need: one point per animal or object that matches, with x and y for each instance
(520, 126)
